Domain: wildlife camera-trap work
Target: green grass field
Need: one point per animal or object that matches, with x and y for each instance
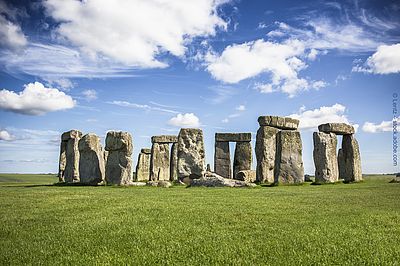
(341, 224)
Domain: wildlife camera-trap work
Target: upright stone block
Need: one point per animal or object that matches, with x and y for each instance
(174, 162)
(242, 158)
(91, 160)
(351, 159)
(222, 159)
(341, 164)
(70, 153)
(143, 166)
(289, 162)
(265, 153)
(325, 160)
(119, 162)
(191, 154)
(159, 162)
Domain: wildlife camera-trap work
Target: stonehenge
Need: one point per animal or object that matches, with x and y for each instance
(329, 167)
(181, 158)
(119, 162)
(242, 157)
(91, 160)
(163, 164)
(279, 151)
(69, 157)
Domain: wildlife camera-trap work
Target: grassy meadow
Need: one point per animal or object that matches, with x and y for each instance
(340, 224)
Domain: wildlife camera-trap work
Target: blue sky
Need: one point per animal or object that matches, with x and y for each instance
(152, 67)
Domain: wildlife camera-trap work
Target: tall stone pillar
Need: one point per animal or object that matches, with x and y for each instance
(265, 153)
(91, 160)
(70, 174)
(191, 154)
(143, 166)
(325, 160)
(351, 159)
(119, 162)
(243, 157)
(159, 162)
(341, 164)
(174, 162)
(222, 159)
(289, 162)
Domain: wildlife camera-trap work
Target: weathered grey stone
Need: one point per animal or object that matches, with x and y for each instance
(159, 162)
(143, 166)
(233, 137)
(308, 178)
(146, 151)
(289, 162)
(70, 153)
(246, 175)
(351, 159)
(91, 160)
(325, 160)
(174, 163)
(265, 153)
(242, 158)
(222, 159)
(214, 180)
(164, 139)
(396, 179)
(341, 165)
(137, 184)
(119, 162)
(160, 183)
(191, 153)
(278, 122)
(337, 128)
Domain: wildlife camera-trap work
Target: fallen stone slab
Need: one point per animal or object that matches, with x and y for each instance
(136, 184)
(337, 128)
(278, 122)
(161, 183)
(248, 176)
(215, 180)
(233, 137)
(164, 139)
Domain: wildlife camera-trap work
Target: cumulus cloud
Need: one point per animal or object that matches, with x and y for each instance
(90, 94)
(5, 135)
(185, 120)
(282, 61)
(135, 32)
(384, 126)
(311, 119)
(385, 60)
(35, 99)
(11, 35)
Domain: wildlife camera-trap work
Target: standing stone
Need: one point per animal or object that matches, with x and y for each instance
(71, 171)
(222, 159)
(91, 160)
(62, 161)
(341, 164)
(351, 159)
(289, 162)
(242, 158)
(265, 153)
(191, 154)
(325, 160)
(159, 162)
(174, 162)
(119, 162)
(143, 166)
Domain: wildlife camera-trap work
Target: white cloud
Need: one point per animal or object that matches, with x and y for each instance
(264, 88)
(225, 120)
(90, 94)
(241, 108)
(142, 106)
(5, 135)
(35, 99)
(11, 35)
(280, 60)
(136, 32)
(384, 126)
(385, 60)
(62, 83)
(311, 119)
(185, 120)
